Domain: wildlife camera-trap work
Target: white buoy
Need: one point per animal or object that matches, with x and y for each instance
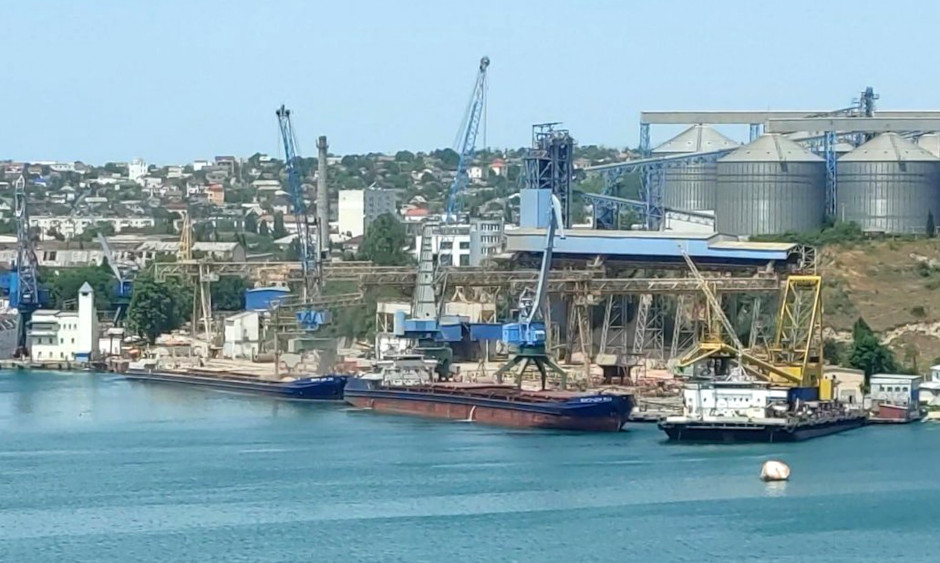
(774, 470)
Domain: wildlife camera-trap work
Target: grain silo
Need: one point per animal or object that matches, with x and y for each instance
(692, 186)
(931, 142)
(770, 186)
(888, 185)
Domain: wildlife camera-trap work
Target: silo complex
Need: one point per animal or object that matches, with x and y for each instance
(770, 186)
(692, 186)
(889, 185)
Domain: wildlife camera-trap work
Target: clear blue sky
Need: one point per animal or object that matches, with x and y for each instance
(174, 80)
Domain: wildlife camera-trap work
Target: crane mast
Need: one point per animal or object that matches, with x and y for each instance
(468, 142)
(308, 249)
(25, 294)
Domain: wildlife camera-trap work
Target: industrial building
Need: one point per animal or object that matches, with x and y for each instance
(70, 336)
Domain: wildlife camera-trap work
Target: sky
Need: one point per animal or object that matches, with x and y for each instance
(170, 81)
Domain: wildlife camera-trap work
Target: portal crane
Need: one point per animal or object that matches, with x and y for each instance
(468, 141)
(528, 335)
(24, 290)
(124, 283)
(309, 318)
(309, 257)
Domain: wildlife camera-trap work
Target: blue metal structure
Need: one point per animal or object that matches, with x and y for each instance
(656, 247)
(24, 284)
(607, 207)
(528, 336)
(309, 258)
(470, 128)
(651, 170)
(308, 319)
(548, 165)
(124, 284)
(527, 331)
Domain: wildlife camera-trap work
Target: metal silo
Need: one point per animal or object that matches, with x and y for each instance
(931, 142)
(770, 186)
(888, 185)
(692, 186)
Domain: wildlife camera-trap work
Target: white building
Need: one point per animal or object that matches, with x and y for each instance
(87, 345)
(136, 170)
(72, 336)
(242, 336)
(62, 167)
(199, 165)
(451, 246)
(475, 173)
(356, 209)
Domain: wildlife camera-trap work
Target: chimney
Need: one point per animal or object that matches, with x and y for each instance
(323, 200)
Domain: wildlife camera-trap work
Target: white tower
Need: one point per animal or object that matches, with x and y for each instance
(87, 348)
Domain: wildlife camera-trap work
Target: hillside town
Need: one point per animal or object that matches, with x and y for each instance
(241, 209)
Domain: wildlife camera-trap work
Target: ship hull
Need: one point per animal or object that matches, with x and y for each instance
(326, 388)
(607, 414)
(723, 432)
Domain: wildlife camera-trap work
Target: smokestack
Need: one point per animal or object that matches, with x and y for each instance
(323, 199)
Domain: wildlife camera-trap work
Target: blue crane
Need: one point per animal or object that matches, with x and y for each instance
(470, 128)
(528, 335)
(308, 253)
(124, 283)
(24, 284)
(309, 319)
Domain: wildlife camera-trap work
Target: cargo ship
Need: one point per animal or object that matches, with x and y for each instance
(321, 388)
(405, 385)
(736, 411)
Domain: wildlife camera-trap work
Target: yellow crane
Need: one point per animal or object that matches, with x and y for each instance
(795, 357)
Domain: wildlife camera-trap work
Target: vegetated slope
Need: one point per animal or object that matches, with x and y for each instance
(894, 285)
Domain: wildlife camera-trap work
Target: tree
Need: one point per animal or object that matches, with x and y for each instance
(868, 353)
(63, 285)
(448, 157)
(279, 230)
(263, 229)
(228, 294)
(251, 223)
(156, 308)
(931, 228)
(385, 242)
(404, 156)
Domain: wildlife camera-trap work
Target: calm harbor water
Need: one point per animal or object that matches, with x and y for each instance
(94, 468)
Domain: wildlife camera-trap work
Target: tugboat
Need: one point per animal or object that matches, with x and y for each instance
(322, 388)
(406, 385)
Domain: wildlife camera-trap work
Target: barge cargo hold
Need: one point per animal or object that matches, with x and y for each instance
(731, 411)
(406, 385)
(325, 388)
(500, 405)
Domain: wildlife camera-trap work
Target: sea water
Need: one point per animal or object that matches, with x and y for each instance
(96, 468)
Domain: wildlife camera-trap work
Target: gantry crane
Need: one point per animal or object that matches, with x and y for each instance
(528, 335)
(24, 284)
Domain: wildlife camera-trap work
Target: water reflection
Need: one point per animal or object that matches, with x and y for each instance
(775, 488)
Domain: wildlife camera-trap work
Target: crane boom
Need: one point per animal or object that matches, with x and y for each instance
(24, 296)
(555, 222)
(468, 141)
(308, 254)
